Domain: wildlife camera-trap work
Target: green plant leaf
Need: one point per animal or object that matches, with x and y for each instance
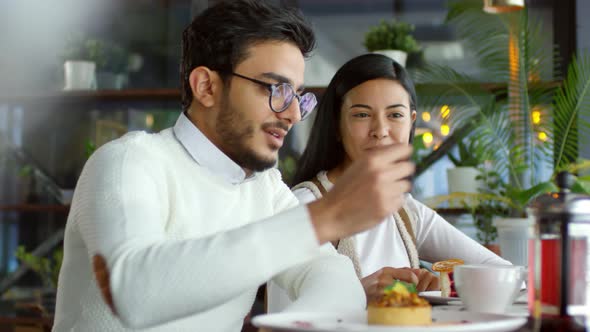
(525, 196)
(47, 269)
(391, 35)
(504, 123)
(581, 186)
(572, 99)
(90, 148)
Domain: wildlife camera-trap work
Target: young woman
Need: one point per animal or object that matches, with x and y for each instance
(371, 103)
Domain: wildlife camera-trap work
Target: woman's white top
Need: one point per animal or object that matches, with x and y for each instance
(382, 245)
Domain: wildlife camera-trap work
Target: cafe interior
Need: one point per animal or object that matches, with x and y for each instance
(503, 111)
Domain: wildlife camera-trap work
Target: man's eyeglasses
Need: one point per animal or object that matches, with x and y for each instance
(282, 95)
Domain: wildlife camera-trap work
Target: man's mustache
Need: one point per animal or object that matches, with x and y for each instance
(278, 124)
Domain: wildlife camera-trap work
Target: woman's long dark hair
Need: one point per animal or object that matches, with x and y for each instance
(324, 150)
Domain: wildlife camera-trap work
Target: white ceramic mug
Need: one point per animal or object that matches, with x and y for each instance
(488, 288)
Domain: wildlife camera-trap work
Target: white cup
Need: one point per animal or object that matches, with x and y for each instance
(488, 288)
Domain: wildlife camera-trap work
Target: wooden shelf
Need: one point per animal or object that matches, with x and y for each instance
(174, 94)
(36, 208)
(99, 95)
(451, 211)
(113, 95)
(12, 322)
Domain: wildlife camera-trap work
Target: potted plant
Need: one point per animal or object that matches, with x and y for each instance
(112, 65)
(48, 271)
(287, 166)
(510, 48)
(393, 39)
(95, 63)
(483, 220)
(484, 206)
(80, 57)
(463, 177)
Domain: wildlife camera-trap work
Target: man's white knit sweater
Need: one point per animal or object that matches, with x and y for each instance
(188, 240)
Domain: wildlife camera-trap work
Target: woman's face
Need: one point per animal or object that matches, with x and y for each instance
(375, 113)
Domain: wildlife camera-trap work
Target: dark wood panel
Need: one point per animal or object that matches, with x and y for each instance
(99, 95)
(36, 208)
(174, 94)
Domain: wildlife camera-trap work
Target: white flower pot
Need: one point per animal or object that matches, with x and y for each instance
(462, 179)
(79, 75)
(397, 55)
(513, 238)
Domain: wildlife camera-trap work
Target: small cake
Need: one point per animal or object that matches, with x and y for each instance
(445, 268)
(399, 305)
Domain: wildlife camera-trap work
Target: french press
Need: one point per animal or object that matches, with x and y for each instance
(559, 257)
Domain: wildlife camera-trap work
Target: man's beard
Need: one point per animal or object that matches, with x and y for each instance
(235, 131)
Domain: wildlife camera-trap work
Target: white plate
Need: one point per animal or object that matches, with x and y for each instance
(445, 321)
(434, 298)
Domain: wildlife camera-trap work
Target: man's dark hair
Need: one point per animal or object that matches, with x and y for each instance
(324, 149)
(219, 37)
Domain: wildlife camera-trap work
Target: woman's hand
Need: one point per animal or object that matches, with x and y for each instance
(376, 282)
(427, 281)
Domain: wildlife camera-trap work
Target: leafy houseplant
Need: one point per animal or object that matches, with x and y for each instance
(509, 121)
(486, 210)
(46, 268)
(463, 177)
(111, 57)
(391, 35)
(471, 154)
(287, 166)
(510, 48)
(112, 64)
(80, 57)
(79, 49)
(108, 56)
(483, 219)
(110, 60)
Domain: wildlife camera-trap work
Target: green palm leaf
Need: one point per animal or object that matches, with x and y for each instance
(504, 119)
(571, 100)
(484, 34)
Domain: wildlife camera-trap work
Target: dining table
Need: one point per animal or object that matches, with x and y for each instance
(545, 324)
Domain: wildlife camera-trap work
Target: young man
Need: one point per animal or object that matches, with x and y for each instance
(175, 231)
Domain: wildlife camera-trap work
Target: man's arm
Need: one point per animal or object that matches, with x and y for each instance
(120, 214)
(328, 282)
(153, 280)
(370, 189)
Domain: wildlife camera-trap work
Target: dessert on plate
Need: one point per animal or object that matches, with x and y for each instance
(399, 305)
(445, 268)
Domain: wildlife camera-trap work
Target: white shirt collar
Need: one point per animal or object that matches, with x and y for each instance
(205, 153)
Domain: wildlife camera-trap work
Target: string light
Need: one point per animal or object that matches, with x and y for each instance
(149, 120)
(542, 136)
(427, 138)
(445, 111)
(536, 116)
(426, 116)
(444, 130)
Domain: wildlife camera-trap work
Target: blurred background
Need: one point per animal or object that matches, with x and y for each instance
(50, 123)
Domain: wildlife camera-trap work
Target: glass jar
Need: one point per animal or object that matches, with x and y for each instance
(559, 253)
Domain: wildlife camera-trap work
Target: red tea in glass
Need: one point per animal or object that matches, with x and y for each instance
(545, 300)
